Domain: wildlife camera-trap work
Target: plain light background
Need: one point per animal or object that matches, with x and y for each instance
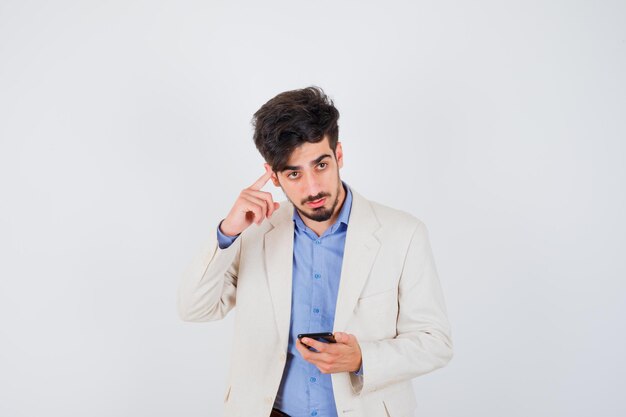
(125, 137)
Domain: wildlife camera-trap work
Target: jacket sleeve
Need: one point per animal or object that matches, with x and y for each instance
(208, 287)
(423, 342)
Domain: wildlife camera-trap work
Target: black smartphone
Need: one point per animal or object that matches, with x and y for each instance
(325, 337)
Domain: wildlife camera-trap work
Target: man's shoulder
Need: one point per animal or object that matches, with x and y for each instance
(394, 214)
(390, 216)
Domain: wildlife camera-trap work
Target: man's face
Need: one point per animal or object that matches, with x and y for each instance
(311, 180)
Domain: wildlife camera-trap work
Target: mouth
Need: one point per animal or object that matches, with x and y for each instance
(316, 203)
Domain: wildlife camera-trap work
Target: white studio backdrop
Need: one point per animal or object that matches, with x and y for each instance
(125, 137)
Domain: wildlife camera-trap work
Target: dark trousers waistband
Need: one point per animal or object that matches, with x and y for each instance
(278, 413)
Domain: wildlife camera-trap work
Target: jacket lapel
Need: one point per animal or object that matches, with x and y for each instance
(278, 248)
(360, 251)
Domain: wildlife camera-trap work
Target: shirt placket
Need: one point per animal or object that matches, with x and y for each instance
(317, 308)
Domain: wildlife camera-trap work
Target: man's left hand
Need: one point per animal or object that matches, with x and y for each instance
(330, 358)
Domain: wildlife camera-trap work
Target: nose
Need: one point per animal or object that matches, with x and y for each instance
(311, 185)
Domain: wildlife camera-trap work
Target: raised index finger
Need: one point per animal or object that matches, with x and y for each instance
(262, 180)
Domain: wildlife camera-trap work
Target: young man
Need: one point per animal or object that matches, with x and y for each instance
(326, 260)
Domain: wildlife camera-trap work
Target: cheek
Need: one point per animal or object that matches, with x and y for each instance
(331, 180)
(292, 194)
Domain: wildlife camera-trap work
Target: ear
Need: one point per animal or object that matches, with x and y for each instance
(273, 177)
(339, 155)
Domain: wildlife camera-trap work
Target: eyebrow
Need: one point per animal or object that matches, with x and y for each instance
(314, 162)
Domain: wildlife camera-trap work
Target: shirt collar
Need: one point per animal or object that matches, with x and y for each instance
(344, 213)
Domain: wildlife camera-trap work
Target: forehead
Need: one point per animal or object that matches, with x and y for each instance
(308, 152)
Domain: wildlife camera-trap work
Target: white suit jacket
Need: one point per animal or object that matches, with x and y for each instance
(389, 297)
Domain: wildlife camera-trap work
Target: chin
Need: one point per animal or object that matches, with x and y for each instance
(318, 214)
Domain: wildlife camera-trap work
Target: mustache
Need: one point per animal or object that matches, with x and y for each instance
(316, 197)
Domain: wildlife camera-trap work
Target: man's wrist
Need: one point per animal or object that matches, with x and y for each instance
(225, 232)
(223, 240)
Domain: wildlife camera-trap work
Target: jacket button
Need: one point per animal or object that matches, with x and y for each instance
(268, 400)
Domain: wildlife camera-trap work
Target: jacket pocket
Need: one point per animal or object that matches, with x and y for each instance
(227, 394)
(376, 315)
(400, 403)
(377, 293)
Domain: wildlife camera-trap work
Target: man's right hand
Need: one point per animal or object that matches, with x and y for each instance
(252, 206)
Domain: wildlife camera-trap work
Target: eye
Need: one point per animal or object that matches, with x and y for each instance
(292, 175)
(322, 165)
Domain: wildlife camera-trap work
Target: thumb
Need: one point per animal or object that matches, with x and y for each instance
(341, 337)
(276, 205)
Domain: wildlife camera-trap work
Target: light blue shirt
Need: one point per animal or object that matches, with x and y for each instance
(304, 391)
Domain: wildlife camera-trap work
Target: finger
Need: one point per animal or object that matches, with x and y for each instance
(255, 209)
(258, 201)
(258, 184)
(342, 337)
(304, 351)
(266, 197)
(345, 338)
(319, 346)
(315, 358)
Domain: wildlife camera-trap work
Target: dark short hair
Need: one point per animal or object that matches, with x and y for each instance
(292, 118)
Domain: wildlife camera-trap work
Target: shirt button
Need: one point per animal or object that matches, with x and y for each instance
(312, 379)
(317, 276)
(316, 310)
(318, 242)
(313, 413)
